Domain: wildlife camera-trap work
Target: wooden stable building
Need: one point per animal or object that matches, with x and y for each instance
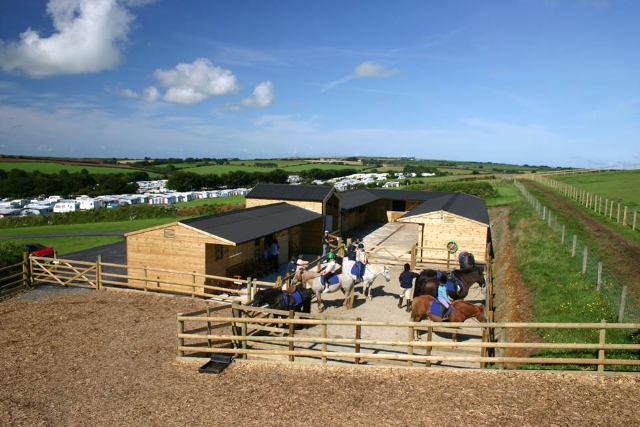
(454, 217)
(321, 199)
(443, 217)
(232, 244)
(228, 244)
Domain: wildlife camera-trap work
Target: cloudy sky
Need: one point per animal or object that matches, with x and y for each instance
(537, 82)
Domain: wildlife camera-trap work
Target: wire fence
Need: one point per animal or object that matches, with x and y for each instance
(624, 305)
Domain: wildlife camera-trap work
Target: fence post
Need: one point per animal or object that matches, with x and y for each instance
(292, 328)
(623, 301)
(358, 337)
(634, 220)
(602, 342)
(549, 218)
(323, 335)
(180, 340)
(99, 272)
(26, 276)
(624, 216)
(563, 231)
(599, 283)
(410, 347)
(584, 260)
(573, 249)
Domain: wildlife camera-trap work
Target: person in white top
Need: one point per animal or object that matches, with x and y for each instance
(301, 263)
(361, 261)
(329, 270)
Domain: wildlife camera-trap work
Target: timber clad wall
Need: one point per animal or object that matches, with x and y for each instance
(441, 227)
(311, 206)
(171, 247)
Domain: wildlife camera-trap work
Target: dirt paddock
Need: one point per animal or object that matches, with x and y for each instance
(108, 358)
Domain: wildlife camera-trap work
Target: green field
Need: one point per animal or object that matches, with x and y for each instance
(621, 186)
(55, 168)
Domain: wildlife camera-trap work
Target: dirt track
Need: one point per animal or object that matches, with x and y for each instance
(624, 251)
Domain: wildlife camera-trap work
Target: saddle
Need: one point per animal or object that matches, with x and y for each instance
(291, 297)
(437, 309)
(333, 280)
(454, 284)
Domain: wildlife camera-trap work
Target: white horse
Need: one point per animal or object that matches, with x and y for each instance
(371, 272)
(311, 279)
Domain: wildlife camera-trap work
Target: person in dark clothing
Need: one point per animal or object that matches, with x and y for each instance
(406, 279)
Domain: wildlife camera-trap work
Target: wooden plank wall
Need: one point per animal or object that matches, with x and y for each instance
(442, 227)
(309, 205)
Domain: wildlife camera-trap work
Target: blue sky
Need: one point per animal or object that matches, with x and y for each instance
(537, 82)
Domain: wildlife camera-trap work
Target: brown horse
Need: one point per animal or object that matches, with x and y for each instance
(427, 283)
(462, 310)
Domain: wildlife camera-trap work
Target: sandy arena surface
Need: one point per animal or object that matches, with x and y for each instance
(82, 358)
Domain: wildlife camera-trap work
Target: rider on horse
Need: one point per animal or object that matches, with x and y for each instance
(328, 271)
(443, 297)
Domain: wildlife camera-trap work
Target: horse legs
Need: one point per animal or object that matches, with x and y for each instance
(319, 301)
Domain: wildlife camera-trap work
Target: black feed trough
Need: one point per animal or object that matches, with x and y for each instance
(216, 365)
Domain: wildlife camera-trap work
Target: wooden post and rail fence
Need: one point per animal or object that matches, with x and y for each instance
(252, 334)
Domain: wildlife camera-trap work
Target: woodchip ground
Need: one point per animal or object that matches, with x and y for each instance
(108, 358)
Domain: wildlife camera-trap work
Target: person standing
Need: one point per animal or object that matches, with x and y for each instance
(274, 251)
(406, 279)
(266, 254)
(292, 266)
(326, 242)
(443, 297)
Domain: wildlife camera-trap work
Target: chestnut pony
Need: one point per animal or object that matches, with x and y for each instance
(462, 310)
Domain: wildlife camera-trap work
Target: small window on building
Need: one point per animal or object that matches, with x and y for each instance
(169, 233)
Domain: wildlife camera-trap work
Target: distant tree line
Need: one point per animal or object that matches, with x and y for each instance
(190, 181)
(19, 184)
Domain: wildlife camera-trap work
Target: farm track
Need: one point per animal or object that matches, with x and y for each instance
(617, 247)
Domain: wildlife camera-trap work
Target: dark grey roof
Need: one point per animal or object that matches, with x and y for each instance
(407, 194)
(248, 224)
(290, 192)
(456, 203)
(354, 198)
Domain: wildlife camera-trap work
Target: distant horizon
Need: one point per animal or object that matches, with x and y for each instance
(528, 82)
(328, 159)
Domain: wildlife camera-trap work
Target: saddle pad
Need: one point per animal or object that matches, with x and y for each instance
(334, 280)
(436, 308)
(297, 298)
(354, 270)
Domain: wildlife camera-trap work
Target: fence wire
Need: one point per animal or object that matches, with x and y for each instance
(627, 311)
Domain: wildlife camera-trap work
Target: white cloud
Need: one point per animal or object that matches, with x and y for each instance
(88, 38)
(263, 96)
(371, 69)
(367, 69)
(127, 93)
(151, 94)
(195, 82)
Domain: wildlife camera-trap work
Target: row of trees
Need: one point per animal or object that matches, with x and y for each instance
(19, 184)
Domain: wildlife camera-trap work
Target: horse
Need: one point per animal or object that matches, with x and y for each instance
(427, 284)
(341, 281)
(466, 260)
(278, 299)
(428, 306)
(371, 272)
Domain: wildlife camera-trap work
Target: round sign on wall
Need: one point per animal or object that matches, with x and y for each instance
(452, 246)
